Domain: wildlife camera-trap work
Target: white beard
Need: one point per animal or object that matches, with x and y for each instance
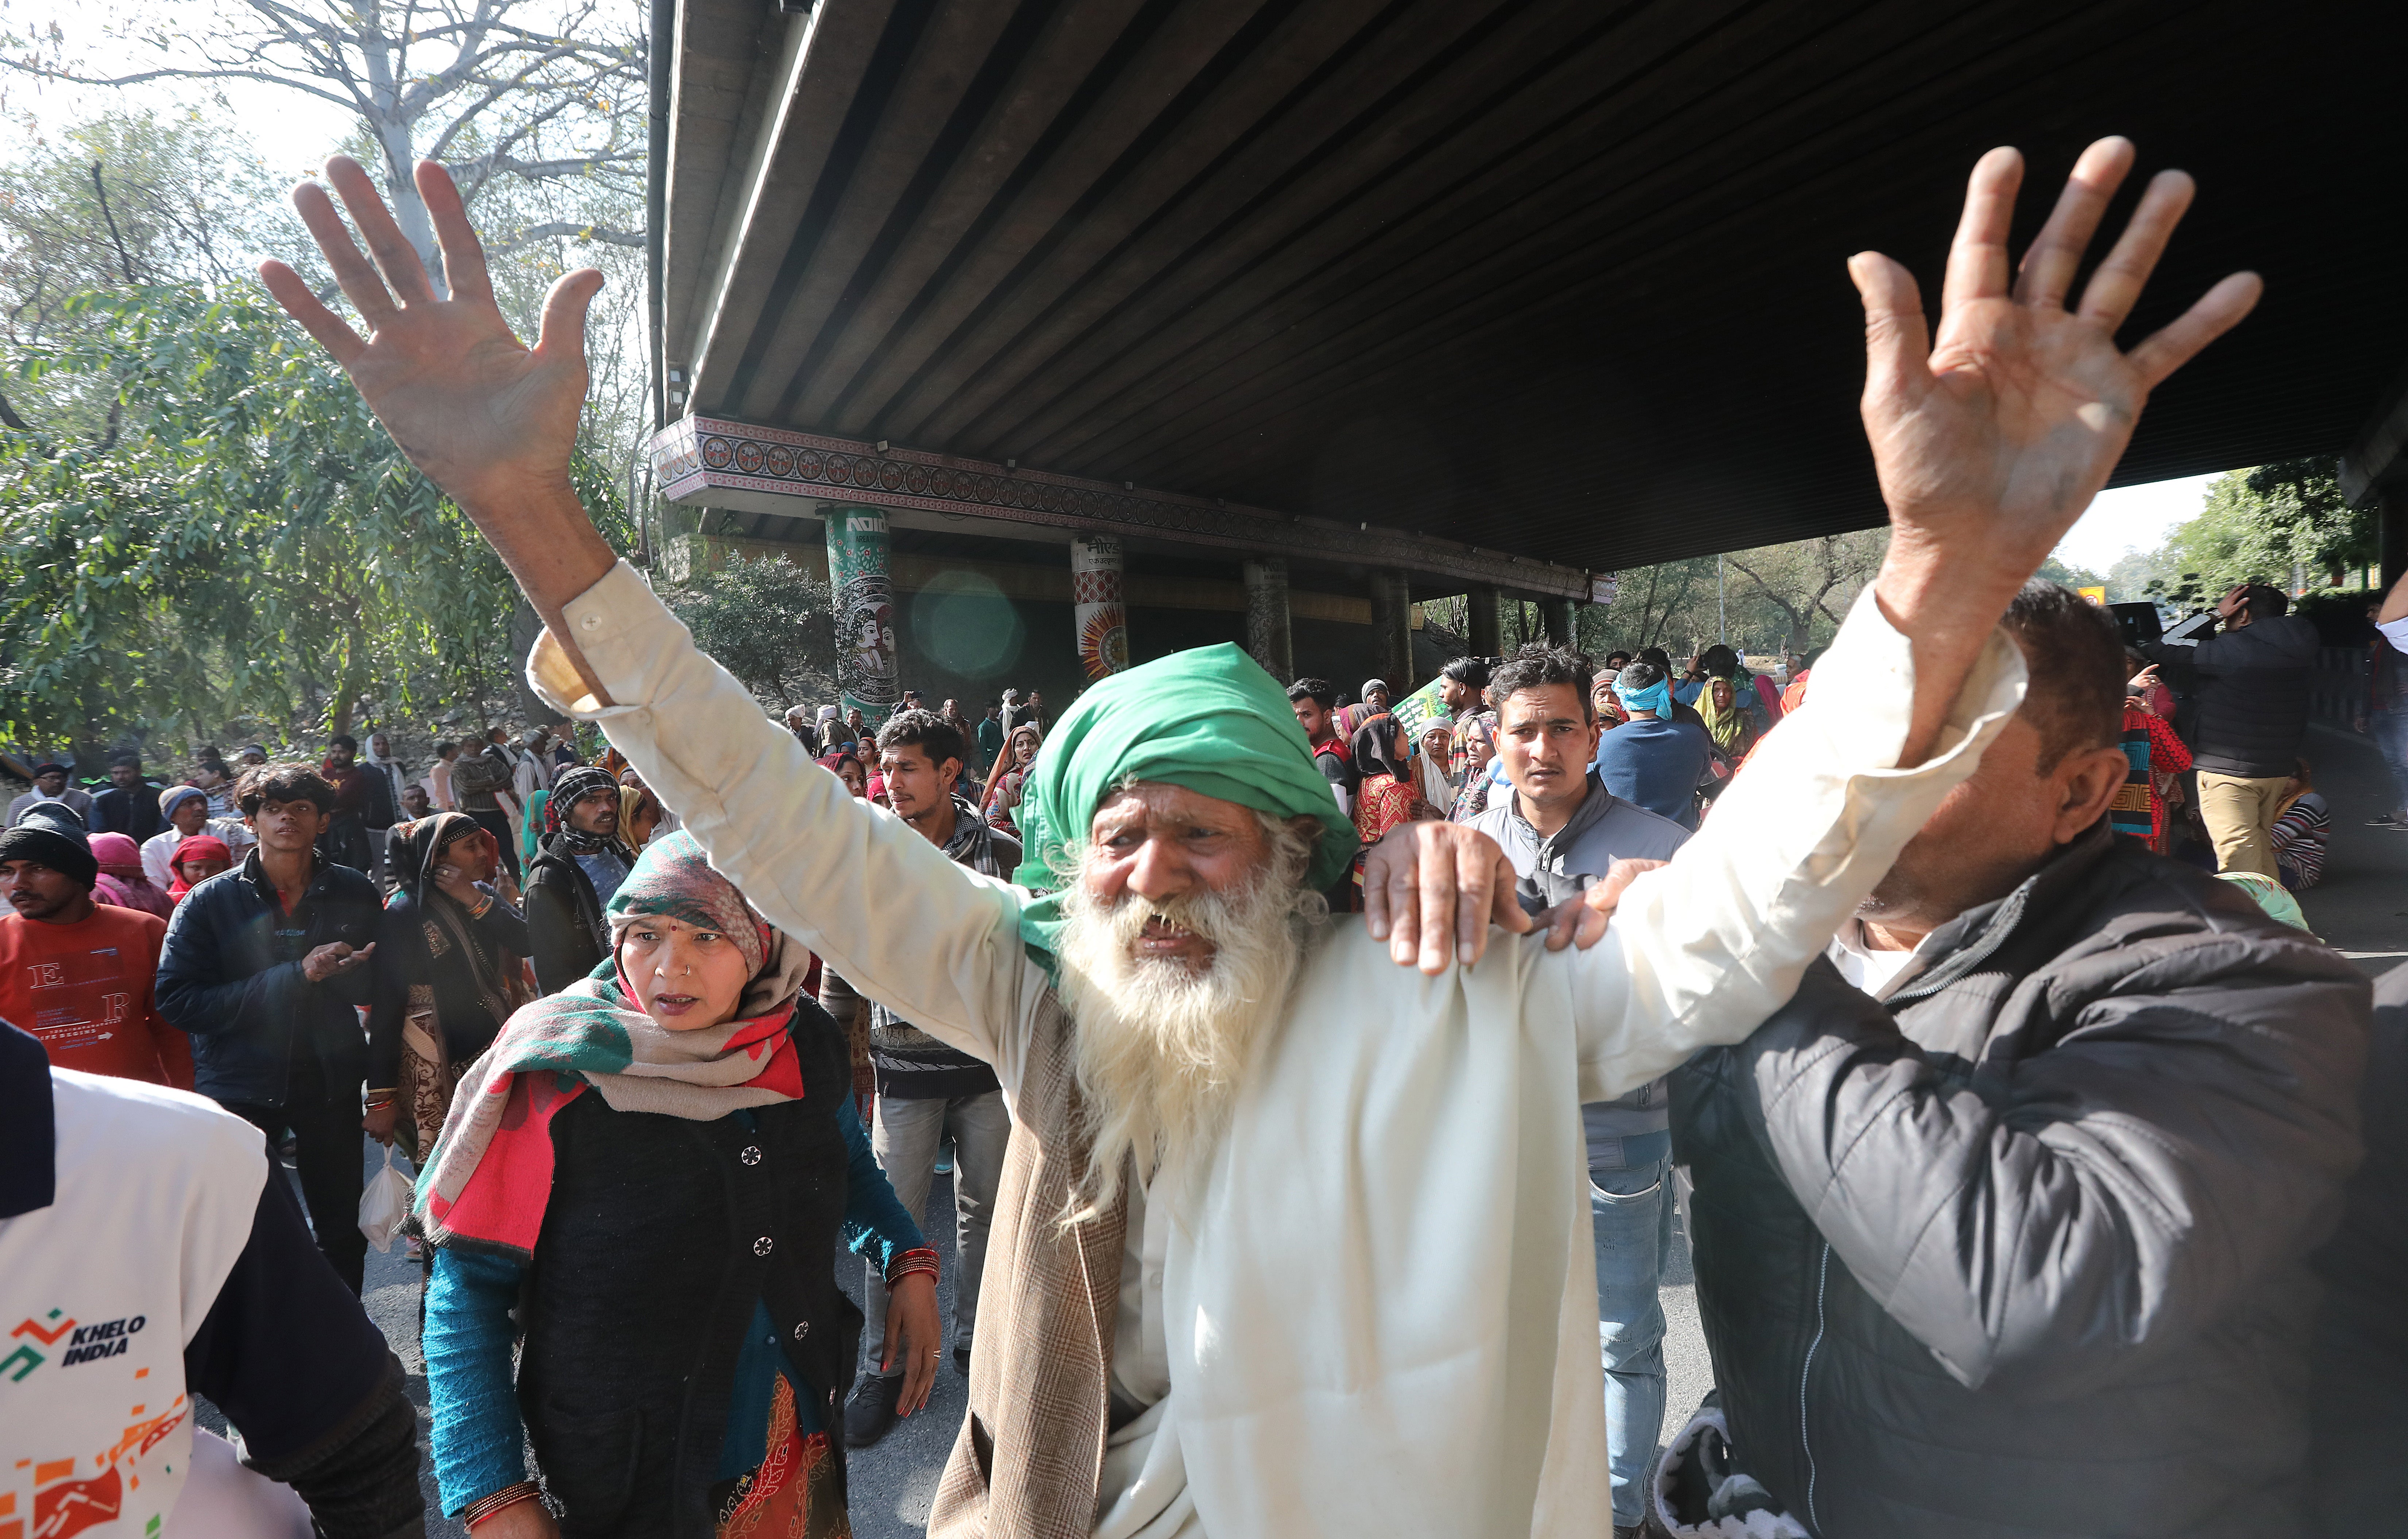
(1161, 1049)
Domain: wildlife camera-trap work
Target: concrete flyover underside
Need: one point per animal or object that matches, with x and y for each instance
(1549, 277)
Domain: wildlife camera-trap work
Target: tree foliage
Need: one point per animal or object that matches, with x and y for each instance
(1792, 596)
(126, 198)
(768, 622)
(249, 543)
(2272, 525)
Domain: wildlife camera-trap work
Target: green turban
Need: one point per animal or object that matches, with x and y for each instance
(1208, 719)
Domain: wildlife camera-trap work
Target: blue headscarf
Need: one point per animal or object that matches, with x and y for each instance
(1656, 697)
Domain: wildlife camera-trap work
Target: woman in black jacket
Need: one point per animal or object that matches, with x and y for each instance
(448, 975)
(646, 1177)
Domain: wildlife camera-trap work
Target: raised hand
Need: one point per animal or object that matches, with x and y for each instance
(489, 419)
(1992, 440)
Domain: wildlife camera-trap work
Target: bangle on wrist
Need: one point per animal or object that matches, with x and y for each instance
(508, 1496)
(923, 1260)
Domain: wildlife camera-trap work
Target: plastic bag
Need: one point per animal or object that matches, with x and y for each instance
(384, 1204)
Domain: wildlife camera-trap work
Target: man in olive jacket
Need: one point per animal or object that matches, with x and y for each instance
(2002, 1226)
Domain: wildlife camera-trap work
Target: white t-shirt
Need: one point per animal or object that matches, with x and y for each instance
(2395, 632)
(155, 1196)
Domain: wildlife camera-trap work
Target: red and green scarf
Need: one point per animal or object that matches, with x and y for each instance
(489, 1178)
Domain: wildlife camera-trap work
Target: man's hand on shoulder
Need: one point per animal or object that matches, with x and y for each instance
(1432, 889)
(1581, 921)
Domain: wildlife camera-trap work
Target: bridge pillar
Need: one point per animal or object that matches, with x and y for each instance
(1391, 625)
(864, 601)
(1268, 635)
(1487, 637)
(2391, 515)
(1097, 612)
(1556, 616)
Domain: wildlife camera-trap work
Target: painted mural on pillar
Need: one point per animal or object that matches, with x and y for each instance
(865, 611)
(1097, 609)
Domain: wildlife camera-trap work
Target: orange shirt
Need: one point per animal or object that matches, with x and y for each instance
(84, 990)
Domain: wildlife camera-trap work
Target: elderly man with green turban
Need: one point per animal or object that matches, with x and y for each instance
(1293, 1239)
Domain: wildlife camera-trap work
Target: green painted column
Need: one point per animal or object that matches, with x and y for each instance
(866, 661)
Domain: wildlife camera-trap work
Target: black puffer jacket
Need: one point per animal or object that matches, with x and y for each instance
(2362, 1357)
(2248, 708)
(566, 925)
(230, 976)
(2023, 1251)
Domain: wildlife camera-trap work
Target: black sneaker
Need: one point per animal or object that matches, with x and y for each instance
(869, 1412)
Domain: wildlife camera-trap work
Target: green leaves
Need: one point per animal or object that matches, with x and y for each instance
(251, 540)
(2263, 525)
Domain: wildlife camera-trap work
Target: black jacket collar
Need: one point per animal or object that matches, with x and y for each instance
(1964, 943)
(29, 1145)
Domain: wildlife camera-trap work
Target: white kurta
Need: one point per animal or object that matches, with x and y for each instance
(1376, 1306)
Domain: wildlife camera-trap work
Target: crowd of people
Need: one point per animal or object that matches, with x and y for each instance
(2027, 1160)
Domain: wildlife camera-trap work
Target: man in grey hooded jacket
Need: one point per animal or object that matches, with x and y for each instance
(1563, 830)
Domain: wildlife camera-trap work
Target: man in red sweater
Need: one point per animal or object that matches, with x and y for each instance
(76, 973)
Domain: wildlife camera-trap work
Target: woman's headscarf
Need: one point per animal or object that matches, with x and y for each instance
(490, 1174)
(1009, 760)
(1437, 785)
(414, 848)
(120, 863)
(199, 847)
(835, 759)
(1374, 753)
(1723, 724)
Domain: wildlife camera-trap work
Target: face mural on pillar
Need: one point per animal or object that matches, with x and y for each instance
(865, 608)
(1096, 608)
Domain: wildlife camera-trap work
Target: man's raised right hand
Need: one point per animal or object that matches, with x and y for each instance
(488, 419)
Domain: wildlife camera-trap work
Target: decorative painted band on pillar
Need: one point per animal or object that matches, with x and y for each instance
(1268, 636)
(1097, 609)
(866, 656)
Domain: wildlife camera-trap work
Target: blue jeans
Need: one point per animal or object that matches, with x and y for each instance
(1630, 1205)
(2389, 730)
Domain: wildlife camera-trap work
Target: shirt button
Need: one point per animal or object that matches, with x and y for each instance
(802, 1329)
(762, 1245)
(592, 622)
(751, 1154)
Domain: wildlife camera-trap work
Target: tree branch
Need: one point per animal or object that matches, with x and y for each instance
(582, 233)
(177, 74)
(124, 261)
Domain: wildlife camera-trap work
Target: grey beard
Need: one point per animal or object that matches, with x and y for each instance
(1161, 1050)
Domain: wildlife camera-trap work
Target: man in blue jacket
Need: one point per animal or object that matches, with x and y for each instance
(264, 968)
